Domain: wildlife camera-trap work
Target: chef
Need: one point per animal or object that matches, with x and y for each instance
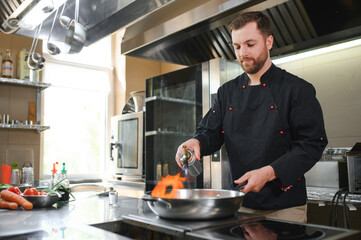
(270, 122)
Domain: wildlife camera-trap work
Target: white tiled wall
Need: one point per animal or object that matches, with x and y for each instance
(337, 79)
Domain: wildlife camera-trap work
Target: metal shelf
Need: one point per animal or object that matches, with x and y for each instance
(39, 86)
(37, 128)
(168, 99)
(18, 82)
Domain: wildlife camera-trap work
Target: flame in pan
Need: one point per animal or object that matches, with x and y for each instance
(163, 186)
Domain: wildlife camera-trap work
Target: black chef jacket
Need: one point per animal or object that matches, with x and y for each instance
(277, 123)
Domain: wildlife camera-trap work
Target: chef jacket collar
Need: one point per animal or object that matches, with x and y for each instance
(267, 75)
(264, 78)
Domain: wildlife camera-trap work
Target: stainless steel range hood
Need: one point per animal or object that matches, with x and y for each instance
(201, 33)
(193, 31)
(99, 17)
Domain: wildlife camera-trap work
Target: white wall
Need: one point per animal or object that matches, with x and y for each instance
(337, 79)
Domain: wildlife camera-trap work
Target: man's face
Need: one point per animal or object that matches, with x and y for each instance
(251, 48)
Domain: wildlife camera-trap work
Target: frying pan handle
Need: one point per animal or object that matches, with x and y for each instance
(153, 199)
(240, 186)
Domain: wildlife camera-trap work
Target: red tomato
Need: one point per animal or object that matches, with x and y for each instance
(14, 190)
(31, 191)
(43, 193)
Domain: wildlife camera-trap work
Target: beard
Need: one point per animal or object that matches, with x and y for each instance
(252, 68)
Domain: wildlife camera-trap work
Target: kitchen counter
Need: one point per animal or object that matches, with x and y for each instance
(69, 219)
(326, 195)
(77, 220)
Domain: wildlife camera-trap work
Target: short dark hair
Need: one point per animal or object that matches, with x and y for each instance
(262, 21)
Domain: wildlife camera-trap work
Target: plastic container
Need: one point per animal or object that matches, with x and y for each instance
(54, 178)
(65, 183)
(23, 68)
(113, 198)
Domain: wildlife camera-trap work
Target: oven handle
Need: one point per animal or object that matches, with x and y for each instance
(112, 146)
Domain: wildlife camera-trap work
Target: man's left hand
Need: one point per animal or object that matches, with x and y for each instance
(256, 179)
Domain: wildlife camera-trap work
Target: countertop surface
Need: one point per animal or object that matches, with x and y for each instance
(73, 218)
(64, 221)
(326, 195)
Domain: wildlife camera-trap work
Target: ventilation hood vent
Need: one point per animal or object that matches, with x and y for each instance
(25, 14)
(100, 18)
(201, 33)
(189, 32)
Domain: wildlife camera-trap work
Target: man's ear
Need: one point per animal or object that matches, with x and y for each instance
(269, 42)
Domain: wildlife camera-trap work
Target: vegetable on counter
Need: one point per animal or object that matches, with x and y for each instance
(3, 185)
(13, 197)
(14, 190)
(43, 193)
(31, 192)
(8, 205)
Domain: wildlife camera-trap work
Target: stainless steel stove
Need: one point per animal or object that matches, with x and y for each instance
(242, 226)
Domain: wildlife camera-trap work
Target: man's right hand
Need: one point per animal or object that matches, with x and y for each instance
(193, 145)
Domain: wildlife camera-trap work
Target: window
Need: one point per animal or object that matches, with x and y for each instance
(76, 109)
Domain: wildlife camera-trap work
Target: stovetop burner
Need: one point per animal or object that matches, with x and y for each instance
(275, 230)
(188, 226)
(269, 229)
(243, 226)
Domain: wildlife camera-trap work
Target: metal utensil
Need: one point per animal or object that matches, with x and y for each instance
(76, 34)
(37, 58)
(49, 8)
(27, 173)
(31, 63)
(64, 20)
(52, 48)
(196, 204)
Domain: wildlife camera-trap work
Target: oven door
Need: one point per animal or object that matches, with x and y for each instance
(126, 147)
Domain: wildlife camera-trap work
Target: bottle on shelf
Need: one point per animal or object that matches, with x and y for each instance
(7, 66)
(64, 182)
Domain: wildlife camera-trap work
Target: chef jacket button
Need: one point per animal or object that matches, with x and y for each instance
(272, 107)
(264, 85)
(244, 86)
(214, 111)
(222, 131)
(230, 109)
(281, 132)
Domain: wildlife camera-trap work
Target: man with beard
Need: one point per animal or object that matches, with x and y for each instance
(270, 122)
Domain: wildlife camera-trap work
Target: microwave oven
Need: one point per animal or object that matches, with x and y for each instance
(126, 146)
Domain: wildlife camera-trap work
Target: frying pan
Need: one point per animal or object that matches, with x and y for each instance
(196, 204)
